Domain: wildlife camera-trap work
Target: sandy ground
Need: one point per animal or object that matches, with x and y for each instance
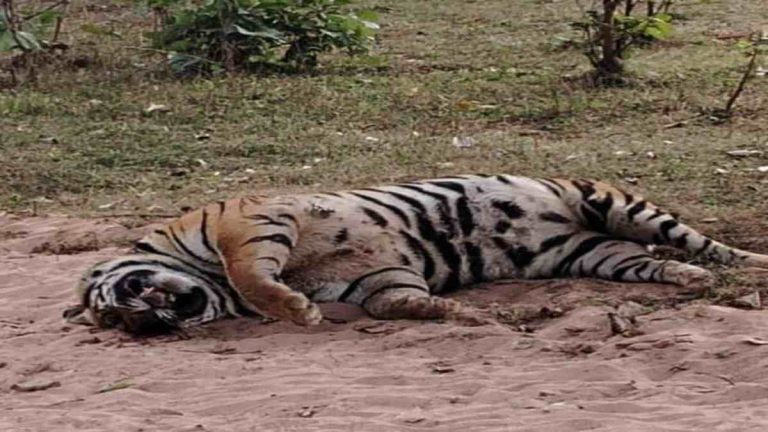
(692, 367)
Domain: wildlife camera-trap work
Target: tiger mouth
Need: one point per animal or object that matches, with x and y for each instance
(184, 305)
(157, 298)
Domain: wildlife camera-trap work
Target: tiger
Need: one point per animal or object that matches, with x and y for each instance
(392, 250)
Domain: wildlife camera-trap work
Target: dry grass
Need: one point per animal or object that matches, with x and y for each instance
(77, 140)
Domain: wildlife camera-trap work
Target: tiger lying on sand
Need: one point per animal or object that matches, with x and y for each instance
(388, 249)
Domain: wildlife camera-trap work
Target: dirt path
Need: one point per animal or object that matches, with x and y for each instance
(698, 367)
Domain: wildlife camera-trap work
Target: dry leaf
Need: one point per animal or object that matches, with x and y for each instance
(153, 107)
(744, 153)
(756, 341)
(463, 142)
(33, 386)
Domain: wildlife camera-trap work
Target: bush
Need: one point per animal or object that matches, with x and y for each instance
(611, 29)
(256, 34)
(26, 33)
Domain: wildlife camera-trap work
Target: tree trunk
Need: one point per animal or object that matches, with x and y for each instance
(610, 63)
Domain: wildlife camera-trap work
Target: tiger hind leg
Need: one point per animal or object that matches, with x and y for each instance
(397, 293)
(611, 258)
(605, 208)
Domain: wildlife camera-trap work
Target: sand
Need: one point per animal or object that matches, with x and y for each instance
(689, 367)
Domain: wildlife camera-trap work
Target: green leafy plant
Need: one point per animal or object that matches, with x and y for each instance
(610, 28)
(27, 33)
(255, 34)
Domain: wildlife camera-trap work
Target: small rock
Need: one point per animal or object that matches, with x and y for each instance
(749, 301)
(307, 412)
(35, 385)
(630, 310)
(621, 325)
(88, 341)
(441, 369)
(710, 220)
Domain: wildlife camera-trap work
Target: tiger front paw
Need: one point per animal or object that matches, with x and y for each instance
(297, 308)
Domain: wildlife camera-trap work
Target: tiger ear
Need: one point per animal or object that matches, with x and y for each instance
(77, 314)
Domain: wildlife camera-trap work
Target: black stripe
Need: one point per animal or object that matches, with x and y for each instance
(396, 210)
(593, 220)
(555, 217)
(382, 289)
(503, 179)
(445, 248)
(707, 243)
(148, 248)
(476, 261)
(275, 238)
(681, 242)
(628, 197)
(618, 273)
(466, 218)
(186, 249)
(553, 189)
(290, 217)
(377, 218)
(642, 267)
(355, 283)
(654, 274)
(269, 220)
(579, 251)
(442, 208)
(509, 208)
(204, 234)
(596, 268)
(454, 186)
(341, 236)
(554, 242)
(442, 198)
(656, 214)
(520, 256)
(667, 226)
(602, 207)
(413, 202)
(502, 226)
(630, 258)
(635, 209)
(419, 250)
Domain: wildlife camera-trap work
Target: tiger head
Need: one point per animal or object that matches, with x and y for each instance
(151, 293)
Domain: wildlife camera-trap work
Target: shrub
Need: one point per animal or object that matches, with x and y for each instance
(256, 34)
(25, 34)
(611, 29)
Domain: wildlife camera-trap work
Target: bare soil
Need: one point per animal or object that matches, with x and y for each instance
(547, 360)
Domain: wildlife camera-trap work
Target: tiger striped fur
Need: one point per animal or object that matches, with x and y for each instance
(388, 249)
